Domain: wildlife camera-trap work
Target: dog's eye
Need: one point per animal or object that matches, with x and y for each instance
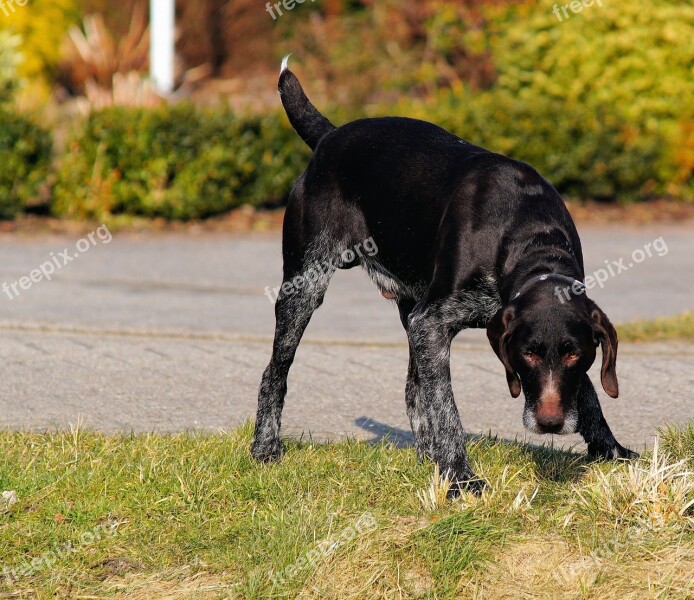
(531, 357)
(571, 357)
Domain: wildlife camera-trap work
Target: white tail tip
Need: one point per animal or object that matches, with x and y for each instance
(285, 64)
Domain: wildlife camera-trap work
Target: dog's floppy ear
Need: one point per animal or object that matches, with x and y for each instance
(499, 332)
(606, 335)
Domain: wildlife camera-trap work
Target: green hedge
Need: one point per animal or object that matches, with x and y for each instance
(601, 103)
(25, 153)
(176, 162)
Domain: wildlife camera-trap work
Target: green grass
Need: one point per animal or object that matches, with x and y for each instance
(192, 516)
(665, 328)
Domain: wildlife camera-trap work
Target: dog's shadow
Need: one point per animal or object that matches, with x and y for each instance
(400, 438)
(553, 464)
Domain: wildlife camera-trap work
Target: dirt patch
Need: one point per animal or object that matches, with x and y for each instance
(656, 211)
(243, 220)
(248, 219)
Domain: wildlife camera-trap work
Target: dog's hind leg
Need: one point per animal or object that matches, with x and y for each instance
(306, 280)
(594, 428)
(431, 328)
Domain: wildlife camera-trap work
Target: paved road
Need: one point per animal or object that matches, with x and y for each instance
(171, 332)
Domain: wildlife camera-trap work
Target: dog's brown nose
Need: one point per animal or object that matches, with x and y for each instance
(549, 414)
(550, 422)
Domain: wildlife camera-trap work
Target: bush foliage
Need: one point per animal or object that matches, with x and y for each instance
(25, 152)
(176, 162)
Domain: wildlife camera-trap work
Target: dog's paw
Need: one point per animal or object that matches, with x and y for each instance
(611, 452)
(266, 451)
(472, 484)
(622, 453)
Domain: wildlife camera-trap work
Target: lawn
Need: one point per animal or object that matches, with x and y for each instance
(192, 516)
(665, 328)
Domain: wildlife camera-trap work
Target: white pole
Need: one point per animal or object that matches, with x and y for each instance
(161, 45)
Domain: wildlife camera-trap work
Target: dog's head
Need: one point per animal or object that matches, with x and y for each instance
(547, 342)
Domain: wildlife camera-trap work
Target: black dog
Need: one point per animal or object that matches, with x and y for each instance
(466, 238)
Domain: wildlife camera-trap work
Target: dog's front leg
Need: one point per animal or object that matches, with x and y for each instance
(439, 432)
(594, 428)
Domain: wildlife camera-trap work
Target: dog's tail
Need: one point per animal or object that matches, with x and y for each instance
(304, 117)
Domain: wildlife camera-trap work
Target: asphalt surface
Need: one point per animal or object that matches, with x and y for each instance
(158, 332)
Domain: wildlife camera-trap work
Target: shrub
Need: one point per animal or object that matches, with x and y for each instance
(176, 162)
(25, 151)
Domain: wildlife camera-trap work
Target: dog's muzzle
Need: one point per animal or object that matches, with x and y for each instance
(564, 425)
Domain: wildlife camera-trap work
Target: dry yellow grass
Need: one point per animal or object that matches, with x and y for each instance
(176, 584)
(541, 568)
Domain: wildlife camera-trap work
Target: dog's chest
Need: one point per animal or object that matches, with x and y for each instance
(473, 305)
(477, 304)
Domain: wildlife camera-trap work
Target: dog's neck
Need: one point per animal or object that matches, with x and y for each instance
(559, 267)
(556, 278)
